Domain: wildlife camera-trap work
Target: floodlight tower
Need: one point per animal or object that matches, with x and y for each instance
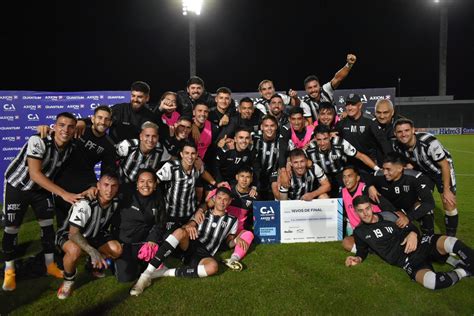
(194, 8)
(443, 44)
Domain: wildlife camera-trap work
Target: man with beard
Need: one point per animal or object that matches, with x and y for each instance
(277, 109)
(92, 147)
(317, 93)
(428, 155)
(193, 95)
(304, 183)
(127, 118)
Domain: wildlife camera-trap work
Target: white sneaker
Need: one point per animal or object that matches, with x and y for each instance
(233, 264)
(65, 290)
(143, 282)
(160, 272)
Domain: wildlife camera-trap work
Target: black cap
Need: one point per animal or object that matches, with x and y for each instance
(353, 98)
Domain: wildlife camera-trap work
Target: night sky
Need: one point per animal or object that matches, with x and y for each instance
(106, 45)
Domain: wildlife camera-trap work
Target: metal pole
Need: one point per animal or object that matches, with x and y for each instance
(192, 44)
(443, 48)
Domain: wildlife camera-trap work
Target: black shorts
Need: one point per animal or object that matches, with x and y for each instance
(174, 223)
(128, 267)
(16, 204)
(98, 241)
(422, 258)
(195, 253)
(438, 181)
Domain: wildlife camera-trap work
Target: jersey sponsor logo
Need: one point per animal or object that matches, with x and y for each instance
(13, 207)
(406, 188)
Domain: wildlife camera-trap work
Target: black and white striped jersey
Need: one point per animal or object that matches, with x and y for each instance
(215, 229)
(89, 217)
(131, 159)
(44, 149)
(180, 188)
(262, 104)
(309, 182)
(266, 157)
(426, 154)
(333, 160)
(311, 107)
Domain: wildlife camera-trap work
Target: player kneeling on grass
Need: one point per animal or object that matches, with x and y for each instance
(200, 243)
(86, 230)
(241, 207)
(406, 248)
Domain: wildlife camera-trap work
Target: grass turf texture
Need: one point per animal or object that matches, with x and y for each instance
(306, 278)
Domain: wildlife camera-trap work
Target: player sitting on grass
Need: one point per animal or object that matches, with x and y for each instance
(241, 208)
(407, 249)
(200, 243)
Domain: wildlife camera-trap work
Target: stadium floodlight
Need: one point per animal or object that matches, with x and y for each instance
(443, 45)
(192, 6)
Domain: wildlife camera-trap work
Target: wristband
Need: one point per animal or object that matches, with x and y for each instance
(349, 65)
(376, 168)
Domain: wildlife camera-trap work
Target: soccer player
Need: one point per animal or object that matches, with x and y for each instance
(297, 135)
(200, 243)
(277, 109)
(28, 182)
(361, 132)
(305, 183)
(405, 248)
(86, 230)
(127, 118)
(353, 187)
(179, 135)
(265, 162)
(92, 147)
(429, 156)
(408, 190)
(325, 93)
(179, 178)
(245, 117)
(229, 161)
(140, 218)
(195, 93)
(267, 90)
(136, 154)
(331, 154)
(225, 108)
(241, 208)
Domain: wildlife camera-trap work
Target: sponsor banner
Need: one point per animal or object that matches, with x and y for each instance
(298, 221)
(368, 97)
(22, 111)
(446, 130)
(267, 221)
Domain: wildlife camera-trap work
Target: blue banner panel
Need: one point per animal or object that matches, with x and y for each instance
(368, 97)
(267, 222)
(22, 111)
